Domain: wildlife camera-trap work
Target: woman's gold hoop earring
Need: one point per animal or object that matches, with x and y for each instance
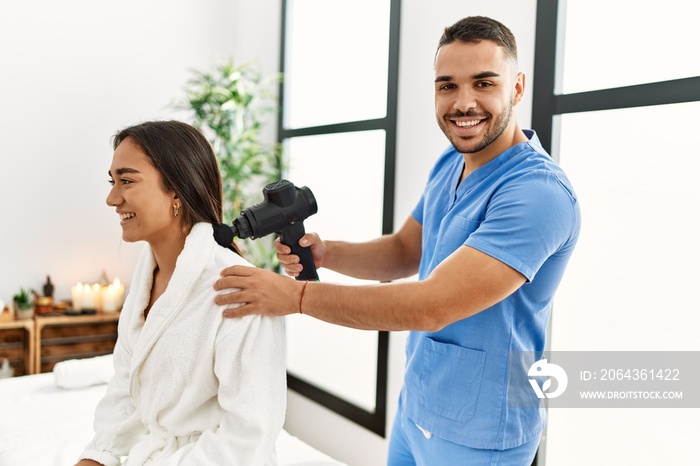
(176, 208)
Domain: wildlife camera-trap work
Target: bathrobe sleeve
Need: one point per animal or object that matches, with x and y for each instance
(250, 365)
(117, 425)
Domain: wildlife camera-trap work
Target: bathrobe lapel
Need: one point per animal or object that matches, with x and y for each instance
(197, 253)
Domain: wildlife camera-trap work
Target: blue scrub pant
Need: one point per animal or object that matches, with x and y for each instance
(409, 446)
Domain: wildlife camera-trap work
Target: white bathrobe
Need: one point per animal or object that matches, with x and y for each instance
(190, 387)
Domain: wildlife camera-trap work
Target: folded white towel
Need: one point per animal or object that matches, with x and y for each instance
(78, 373)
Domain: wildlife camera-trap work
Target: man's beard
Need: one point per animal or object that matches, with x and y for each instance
(501, 123)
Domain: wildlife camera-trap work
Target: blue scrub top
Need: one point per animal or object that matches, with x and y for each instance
(521, 209)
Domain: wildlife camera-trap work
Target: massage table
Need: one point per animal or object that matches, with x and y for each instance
(42, 424)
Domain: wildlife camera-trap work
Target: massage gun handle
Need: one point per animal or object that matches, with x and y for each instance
(290, 235)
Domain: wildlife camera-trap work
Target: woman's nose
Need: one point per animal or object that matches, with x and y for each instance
(113, 198)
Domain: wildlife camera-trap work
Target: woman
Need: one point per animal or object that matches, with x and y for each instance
(190, 387)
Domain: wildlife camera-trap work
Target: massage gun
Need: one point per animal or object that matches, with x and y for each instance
(283, 212)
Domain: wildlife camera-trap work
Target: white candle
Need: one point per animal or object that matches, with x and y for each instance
(119, 291)
(110, 298)
(97, 296)
(76, 293)
(88, 297)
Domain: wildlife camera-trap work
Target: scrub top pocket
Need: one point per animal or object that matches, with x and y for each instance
(451, 379)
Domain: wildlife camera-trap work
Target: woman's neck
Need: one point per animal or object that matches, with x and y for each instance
(165, 253)
(167, 250)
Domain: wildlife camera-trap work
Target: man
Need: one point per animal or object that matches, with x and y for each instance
(490, 239)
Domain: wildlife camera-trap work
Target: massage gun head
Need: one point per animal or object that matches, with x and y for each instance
(284, 205)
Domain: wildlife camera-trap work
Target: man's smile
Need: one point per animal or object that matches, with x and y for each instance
(467, 127)
(466, 124)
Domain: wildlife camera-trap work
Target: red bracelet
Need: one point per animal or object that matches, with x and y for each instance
(303, 288)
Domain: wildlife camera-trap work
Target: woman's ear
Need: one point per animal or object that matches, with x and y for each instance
(176, 203)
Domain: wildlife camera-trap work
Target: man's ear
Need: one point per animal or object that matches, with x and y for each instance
(518, 88)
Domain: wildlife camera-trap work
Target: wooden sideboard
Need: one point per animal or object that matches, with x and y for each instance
(36, 345)
(17, 345)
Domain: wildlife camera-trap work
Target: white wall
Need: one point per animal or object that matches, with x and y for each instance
(75, 71)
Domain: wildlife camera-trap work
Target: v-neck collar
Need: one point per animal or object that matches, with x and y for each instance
(459, 189)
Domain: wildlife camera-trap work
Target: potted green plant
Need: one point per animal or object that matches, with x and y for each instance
(229, 104)
(24, 305)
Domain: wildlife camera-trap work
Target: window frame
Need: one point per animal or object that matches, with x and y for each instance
(375, 420)
(548, 105)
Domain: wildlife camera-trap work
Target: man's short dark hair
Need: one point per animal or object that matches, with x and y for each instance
(477, 28)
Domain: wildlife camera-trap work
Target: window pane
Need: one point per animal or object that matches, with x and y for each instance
(625, 42)
(339, 360)
(345, 172)
(632, 282)
(337, 61)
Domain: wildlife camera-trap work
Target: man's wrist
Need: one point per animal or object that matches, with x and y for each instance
(301, 297)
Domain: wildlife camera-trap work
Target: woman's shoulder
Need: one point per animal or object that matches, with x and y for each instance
(225, 257)
(256, 330)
